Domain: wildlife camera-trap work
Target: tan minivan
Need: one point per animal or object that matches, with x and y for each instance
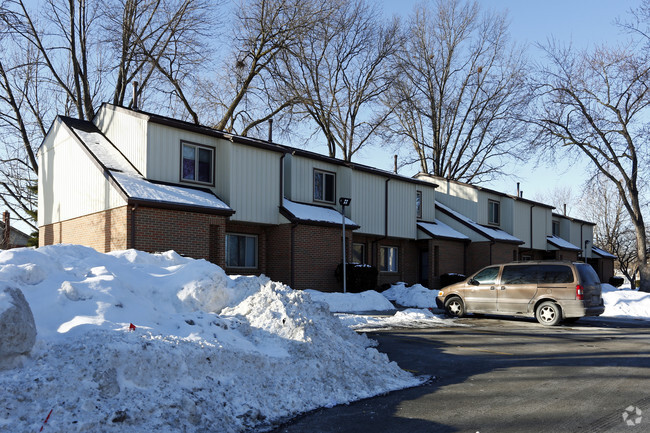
(551, 291)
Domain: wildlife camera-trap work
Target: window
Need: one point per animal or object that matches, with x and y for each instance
(556, 228)
(418, 203)
(359, 253)
(487, 275)
(494, 213)
(196, 163)
(324, 186)
(241, 251)
(537, 274)
(388, 259)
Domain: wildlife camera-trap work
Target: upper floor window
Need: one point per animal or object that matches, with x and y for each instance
(324, 186)
(556, 228)
(418, 203)
(197, 163)
(494, 212)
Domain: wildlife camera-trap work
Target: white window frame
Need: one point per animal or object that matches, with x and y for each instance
(418, 204)
(324, 173)
(494, 204)
(196, 148)
(390, 264)
(554, 225)
(255, 253)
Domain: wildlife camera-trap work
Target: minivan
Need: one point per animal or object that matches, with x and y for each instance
(550, 291)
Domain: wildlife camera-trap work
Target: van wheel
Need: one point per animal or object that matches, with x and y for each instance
(548, 313)
(454, 307)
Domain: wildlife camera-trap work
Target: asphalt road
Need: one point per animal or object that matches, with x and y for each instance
(494, 375)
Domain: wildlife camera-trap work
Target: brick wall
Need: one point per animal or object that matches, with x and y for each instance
(278, 253)
(407, 258)
(451, 259)
(187, 233)
(104, 231)
(479, 254)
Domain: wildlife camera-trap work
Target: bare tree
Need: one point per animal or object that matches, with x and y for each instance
(243, 92)
(339, 71)
(561, 197)
(613, 232)
(68, 56)
(460, 92)
(597, 104)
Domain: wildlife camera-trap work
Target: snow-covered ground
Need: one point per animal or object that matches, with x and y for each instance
(208, 353)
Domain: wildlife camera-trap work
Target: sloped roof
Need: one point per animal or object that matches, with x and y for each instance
(492, 233)
(441, 230)
(324, 215)
(562, 244)
(132, 184)
(602, 253)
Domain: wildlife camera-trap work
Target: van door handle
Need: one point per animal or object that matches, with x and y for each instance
(503, 287)
(492, 288)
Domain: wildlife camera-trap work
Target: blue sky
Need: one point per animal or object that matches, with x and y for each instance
(584, 23)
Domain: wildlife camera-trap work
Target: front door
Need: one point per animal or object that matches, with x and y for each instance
(481, 293)
(424, 267)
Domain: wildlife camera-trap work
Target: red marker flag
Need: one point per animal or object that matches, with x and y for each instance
(131, 327)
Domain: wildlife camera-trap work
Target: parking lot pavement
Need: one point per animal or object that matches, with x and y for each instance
(495, 375)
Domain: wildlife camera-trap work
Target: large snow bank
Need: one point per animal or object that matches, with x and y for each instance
(208, 353)
(414, 296)
(353, 302)
(409, 318)
(625, 303)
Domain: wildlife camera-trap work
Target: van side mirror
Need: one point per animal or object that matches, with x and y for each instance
(474, 282)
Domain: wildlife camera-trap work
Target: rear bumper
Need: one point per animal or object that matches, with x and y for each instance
(579, 310)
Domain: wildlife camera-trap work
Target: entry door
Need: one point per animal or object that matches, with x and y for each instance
(424, 268)
(481, 293)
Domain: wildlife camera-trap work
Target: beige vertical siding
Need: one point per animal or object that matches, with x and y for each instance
(302, 178)
(368, 198)
(254, 184)
(127, 131)
(467, 207)
(428, 202)
(401, 209)
(69, 183)
(521, 226)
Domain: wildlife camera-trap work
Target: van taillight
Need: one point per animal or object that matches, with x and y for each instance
(580, 293)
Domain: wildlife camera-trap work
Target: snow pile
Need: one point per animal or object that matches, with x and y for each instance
(625, 303)
(409, 318)
(208, 352)
(414, 296)
(353, 302)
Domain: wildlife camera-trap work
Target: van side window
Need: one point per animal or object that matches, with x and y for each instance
(554, 274)
(487, 275)
(521, 274)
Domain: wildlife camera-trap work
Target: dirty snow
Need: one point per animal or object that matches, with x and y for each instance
(208, 352)
(409, 318)
(353, 302)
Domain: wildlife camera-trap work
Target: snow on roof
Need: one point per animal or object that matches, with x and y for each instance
(137, 187)
(305, 212)
(489, 232)
(602, 252)
(562, 243)
(100, 146)
(440, 230)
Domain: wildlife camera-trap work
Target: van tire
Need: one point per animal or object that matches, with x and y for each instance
(454, 307)
(548, 313)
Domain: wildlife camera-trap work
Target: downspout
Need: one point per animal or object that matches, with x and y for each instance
(582, 243)
(133, 209)
(282, 178)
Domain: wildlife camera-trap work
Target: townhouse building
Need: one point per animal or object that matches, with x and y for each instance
(132, 179)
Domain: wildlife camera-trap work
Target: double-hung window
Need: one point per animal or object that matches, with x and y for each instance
(418, 204)
(241, 251)
(556, 228)
(388, 259)
(494, 212)
(197, 163)
(324, 186)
